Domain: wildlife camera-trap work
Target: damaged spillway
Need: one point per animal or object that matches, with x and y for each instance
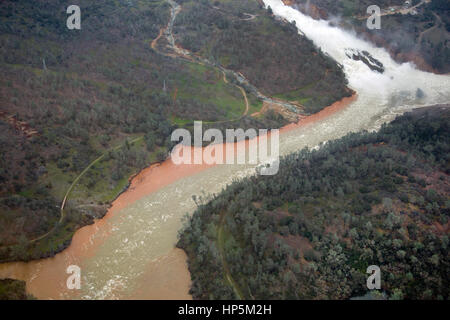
(366, 58)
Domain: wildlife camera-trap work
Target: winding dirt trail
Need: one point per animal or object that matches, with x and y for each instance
(155, 41)
(184, 54)
(246, 101)
(74, 183)
(244, 94)
(436, 25)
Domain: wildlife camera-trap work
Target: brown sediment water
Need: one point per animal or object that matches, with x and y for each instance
(164, 277)
(167, 278)
(46, 278)
(130, 253)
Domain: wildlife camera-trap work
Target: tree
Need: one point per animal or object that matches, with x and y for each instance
(19, 250)
(150, 141)
(397, 294)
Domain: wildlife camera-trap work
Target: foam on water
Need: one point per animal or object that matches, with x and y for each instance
(397, 78)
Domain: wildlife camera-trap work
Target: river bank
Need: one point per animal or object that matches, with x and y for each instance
(144, 183)
(44, 282)
(136, 239)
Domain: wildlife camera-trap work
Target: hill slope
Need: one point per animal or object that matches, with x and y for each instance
(311, 231)
(242, 36)
(419, 32)
(83, 110)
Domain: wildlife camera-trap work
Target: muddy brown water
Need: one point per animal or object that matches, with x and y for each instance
(103, 250)
(130, 253)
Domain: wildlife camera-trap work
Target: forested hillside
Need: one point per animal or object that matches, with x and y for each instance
(418, 32)
(311, 231)
(83, 110)
(66, 98)
(13, 290)
(242, 36)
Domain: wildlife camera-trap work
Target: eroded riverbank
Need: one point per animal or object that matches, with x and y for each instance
(130, 253)
(166, 275)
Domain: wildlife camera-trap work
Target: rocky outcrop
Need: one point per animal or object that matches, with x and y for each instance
(366, 58)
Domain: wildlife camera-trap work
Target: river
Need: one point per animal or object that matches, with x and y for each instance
(131, 252)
